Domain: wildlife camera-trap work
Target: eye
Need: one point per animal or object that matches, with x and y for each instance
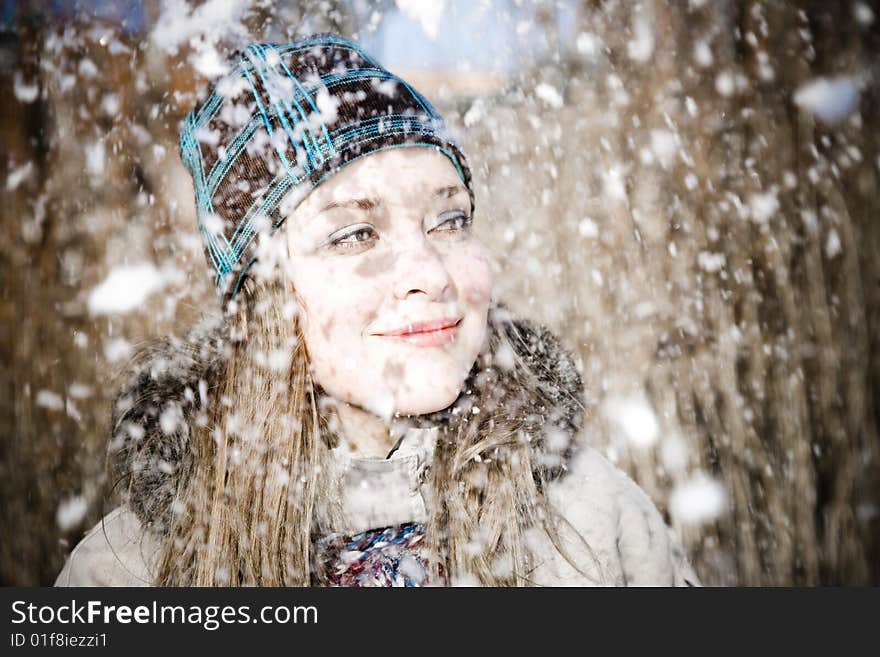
(355, 238)
(452, 221)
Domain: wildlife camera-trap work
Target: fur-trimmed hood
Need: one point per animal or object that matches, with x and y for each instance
(164, 395)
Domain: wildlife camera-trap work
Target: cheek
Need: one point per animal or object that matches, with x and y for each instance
(473, 276)
(336, 305)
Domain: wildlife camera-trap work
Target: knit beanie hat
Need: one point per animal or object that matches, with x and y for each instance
(284, 119)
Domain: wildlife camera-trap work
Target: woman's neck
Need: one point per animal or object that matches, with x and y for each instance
(365, 433)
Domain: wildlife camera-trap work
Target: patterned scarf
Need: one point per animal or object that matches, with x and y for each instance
(394, 556)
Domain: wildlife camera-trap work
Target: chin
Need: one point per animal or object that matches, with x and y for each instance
(429, 402)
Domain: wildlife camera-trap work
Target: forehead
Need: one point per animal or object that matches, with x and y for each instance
(397, 175)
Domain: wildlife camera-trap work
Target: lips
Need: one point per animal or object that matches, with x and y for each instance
(424, 327)
(433, 333)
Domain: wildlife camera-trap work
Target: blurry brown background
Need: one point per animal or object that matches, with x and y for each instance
(652, 192)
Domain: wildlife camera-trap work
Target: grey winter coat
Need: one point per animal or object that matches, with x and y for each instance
(628, 541)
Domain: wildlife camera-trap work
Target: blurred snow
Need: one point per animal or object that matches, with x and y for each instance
(698, 500)
(71, 512)
(589, 45)
(588, 228)
(763, 206)
(663, 146)
(125, 289)
(79, 391)
(116, 349)
(18, 176)
(201, 28)
(674, 453)
(549, 95)
(614, 185)
(328, 108)
(829, 99)
(50, 400)
(95, 158)
(703, 54)
(863, 13)
(489, 35)
(25, 93)
(725, 84)
(641, 47)
(832, 245)
(209, 62)
(427, 13)
(632, 416)
(110, 104)
(476, 113)
(179, 23)
(87, 69)
(811, 222)
(710, 262)
(171, 419)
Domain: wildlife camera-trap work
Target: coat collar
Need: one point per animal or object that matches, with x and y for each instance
(381, 492)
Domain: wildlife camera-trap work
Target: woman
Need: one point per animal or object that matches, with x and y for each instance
(364, 414)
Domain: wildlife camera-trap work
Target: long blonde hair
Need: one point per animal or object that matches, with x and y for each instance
(259, 490)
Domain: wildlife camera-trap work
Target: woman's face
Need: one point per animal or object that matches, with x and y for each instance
(383, 244)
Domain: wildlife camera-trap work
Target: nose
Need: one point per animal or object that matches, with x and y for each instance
(421, 270)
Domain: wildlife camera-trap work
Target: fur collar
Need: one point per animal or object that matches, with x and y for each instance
(163, 395)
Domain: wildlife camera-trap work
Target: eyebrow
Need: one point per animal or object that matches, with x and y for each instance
(368, 204)
(448, 191)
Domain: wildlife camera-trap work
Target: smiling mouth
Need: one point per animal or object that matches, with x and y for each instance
(424, 327)
(439, 334)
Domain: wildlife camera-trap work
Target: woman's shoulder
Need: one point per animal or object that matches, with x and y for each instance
(620, 522)
(115, 552)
